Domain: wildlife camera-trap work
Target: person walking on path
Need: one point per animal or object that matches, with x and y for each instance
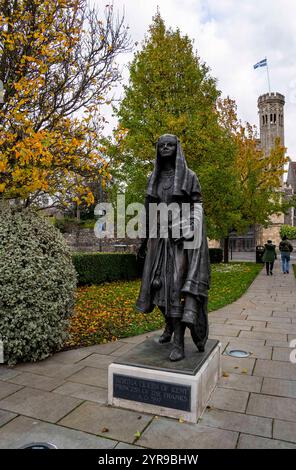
(285, 248)
(269, 256)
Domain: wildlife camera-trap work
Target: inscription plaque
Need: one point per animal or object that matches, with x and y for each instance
(154, 392)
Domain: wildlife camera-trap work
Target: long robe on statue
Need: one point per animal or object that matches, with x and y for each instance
(176, 277)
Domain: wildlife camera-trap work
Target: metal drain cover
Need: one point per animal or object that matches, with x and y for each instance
(238, 353)
(39, 445)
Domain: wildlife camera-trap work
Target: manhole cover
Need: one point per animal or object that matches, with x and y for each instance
(39, 445)
(238, 353)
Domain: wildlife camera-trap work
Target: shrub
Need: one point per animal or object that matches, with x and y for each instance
(37, 286)
(289, 231)
(94, 268)
(216, 255)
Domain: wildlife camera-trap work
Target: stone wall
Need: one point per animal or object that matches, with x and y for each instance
(84, 240)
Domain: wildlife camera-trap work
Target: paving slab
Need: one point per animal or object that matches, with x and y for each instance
(50, 368)
(238, 422)
(72, 356)
(216, 319)
(101, 361)
(245, 323)
(272, 407)
(244, 382)
(114, 423)
(229, 399)
(39, 404)
(281, 354)
(22, 431)
(282, 388)
(7, 372)
(84, 392)
(263, 335)
(255, 442)
(277, 344)
(275, 369)
(226, 330)
(7, 389)
(37, 381)
(6, 416)
(163, 433)
(284, 430)
(91, 376)
(238, 365)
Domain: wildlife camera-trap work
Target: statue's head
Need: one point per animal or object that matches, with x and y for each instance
(167, 146)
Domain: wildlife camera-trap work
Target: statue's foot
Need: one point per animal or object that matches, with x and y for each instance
(177, 354)
(165, 338)
(200, 347)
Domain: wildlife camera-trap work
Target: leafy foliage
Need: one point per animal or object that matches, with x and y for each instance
(171, 91)
(37, 285)
(289, 231)
(260, 176)
(56, 58)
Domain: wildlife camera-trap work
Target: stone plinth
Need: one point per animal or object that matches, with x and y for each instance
(146, 381)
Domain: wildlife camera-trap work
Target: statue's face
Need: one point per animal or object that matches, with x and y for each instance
(167, 147)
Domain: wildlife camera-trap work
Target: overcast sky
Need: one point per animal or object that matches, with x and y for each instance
(231, 36)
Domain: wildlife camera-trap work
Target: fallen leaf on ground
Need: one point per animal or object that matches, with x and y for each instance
(244, 371)
(104, 430)
(137, 434)
(181, 420)
(225, 374)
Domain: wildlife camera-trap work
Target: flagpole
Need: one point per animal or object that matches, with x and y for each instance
(268, 79)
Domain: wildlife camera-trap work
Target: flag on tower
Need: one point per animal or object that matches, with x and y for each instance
(262, 63)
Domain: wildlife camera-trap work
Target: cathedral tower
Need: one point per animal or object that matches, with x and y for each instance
(271, 119)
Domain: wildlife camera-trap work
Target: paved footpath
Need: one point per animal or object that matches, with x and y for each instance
(63, 399)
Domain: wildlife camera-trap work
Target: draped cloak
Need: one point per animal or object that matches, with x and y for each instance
(182, 274)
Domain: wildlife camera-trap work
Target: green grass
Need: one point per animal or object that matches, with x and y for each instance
(106, 312)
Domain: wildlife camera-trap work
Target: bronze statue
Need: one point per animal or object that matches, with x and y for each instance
(176, 278)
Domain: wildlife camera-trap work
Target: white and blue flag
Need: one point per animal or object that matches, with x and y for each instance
(262, 63)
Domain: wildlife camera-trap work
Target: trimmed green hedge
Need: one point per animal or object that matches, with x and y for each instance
(94, 268)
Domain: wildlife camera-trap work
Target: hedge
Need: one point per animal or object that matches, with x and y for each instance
(94, 268)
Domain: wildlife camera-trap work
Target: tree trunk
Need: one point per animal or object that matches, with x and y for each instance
(226, 250)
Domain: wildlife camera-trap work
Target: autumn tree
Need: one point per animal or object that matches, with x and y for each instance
(171, 91)
(260, 175)
(57, 66)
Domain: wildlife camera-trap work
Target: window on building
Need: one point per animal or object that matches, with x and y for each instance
(274, 118)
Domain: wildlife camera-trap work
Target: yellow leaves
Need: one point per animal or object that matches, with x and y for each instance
(2, 187)
(2, 166)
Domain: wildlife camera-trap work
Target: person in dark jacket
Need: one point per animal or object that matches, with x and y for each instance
(175, 278)
(269, 256)
(285, 248)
